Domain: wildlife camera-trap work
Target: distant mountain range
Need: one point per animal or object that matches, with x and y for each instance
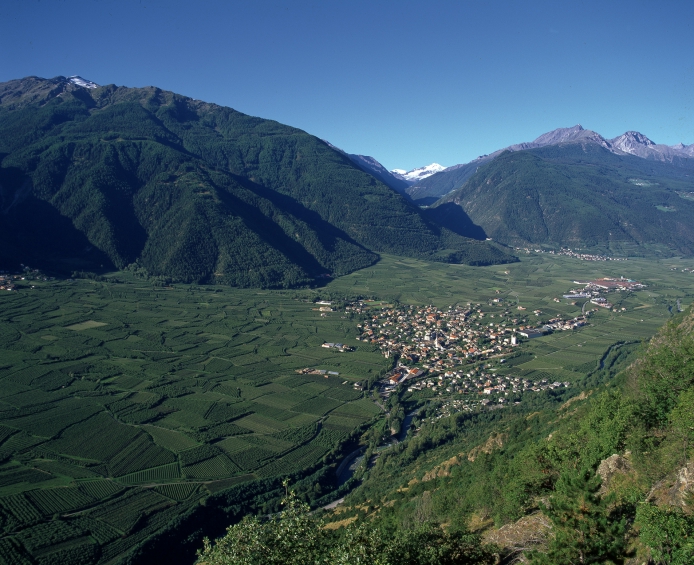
(374, 168)
(397, 179)
(578, 194)
(98, 177)
(433, 187)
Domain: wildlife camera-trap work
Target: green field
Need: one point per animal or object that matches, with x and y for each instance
(125, 404)
(115, 396)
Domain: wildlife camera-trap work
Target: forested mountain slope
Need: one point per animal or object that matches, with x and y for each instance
(603, 477)
(193, 191)
(677, 158)
(576, 195)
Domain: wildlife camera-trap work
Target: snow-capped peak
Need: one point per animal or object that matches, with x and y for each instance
(79, 81)
(417, 174)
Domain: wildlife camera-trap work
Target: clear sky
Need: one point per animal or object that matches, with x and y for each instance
(407, 82)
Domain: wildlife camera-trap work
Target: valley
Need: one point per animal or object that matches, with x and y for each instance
(132, 408)
(226, 306)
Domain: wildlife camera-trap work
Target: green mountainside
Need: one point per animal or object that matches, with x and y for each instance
(184, 189)
(576, 195)
(603, 477)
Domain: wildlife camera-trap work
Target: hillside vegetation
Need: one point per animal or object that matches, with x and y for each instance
(604, 477)
(576, 195)
(179, 188)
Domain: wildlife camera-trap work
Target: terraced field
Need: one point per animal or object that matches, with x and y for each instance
(121, 404)
(124, 405)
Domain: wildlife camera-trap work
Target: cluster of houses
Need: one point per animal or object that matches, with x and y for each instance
(592, 290)
(613, 284)
(555, 325)
(341, 347)
(491, 394)
(442, 339)
(7, 281)
(478, 386)
(570, 253)
(600, 301)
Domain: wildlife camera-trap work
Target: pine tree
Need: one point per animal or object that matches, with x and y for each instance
(586, 527)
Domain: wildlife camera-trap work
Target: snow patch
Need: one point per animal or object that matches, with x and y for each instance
(79, 81)
(417, 174)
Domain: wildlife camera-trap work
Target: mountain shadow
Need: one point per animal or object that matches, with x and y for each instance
(453, 217)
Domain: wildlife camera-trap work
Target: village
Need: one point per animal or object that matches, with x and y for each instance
(10, 280)
(565, 251)
(441, 340)
(453, 353)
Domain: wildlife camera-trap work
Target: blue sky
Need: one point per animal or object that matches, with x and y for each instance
(407, 82)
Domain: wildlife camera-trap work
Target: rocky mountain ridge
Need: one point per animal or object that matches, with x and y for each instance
(634, 143)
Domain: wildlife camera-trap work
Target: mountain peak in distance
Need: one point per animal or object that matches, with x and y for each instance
(418, 174)
(630, 140)
(79, 81)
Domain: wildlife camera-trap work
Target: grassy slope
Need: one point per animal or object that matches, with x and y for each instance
(488, 470)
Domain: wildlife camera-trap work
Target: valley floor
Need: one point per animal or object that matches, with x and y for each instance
(128, 408)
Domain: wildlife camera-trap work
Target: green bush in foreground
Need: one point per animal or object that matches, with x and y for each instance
(586, 527)
(294, 537)
(668, 533)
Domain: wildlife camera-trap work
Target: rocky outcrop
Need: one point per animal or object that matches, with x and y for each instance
(442, 470)
(528, 533)
(611, 467)
(495, 441)
(676, 489)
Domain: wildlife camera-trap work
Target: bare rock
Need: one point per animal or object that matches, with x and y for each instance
(530, 532)
(442, 470)
(676, 489)
(495, 441)
(614, 465)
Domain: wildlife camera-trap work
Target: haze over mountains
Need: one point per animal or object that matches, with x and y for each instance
(142, 178)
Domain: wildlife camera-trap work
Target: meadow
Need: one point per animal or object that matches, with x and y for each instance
(123, 404)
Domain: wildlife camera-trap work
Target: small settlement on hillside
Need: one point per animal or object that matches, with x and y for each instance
(567, 252)
(7, 282)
